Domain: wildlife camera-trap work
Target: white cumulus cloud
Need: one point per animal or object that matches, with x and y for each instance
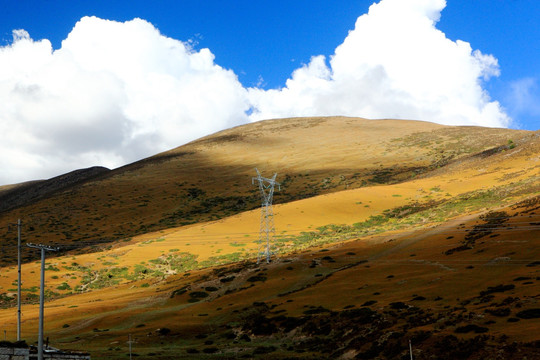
(116, 92)
(113, 93)
(394, 64)
(523, 98)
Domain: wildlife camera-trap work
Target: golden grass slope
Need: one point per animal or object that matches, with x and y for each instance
(414, 191)
(408, 280)
(473, 184)
(209, 179)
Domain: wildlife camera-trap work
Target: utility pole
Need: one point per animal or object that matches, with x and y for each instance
(43, 248)
(19, 280)
(267, 229)
(19, 224)
(129, 342)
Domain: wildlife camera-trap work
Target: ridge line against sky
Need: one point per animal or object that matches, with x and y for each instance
(107, 84)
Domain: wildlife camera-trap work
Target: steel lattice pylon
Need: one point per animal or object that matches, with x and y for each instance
(267, 228)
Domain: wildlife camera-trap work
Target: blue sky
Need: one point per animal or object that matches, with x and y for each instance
(271, 45)
(254, 38)
(509, 30)
(269, 39)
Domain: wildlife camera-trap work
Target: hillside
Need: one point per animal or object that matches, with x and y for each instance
(24, 194)
(387, 231)
(467, 303)
(210, 178)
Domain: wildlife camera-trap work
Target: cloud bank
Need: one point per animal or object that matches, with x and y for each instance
(117, 92)
(394, 64)
(113, 93)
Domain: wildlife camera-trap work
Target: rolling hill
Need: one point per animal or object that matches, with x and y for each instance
(387, 231)
(209, 178)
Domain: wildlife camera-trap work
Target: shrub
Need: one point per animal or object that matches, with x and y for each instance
(398, 305)
(498, 288)
(257, 278)
(264, 349)
(369, 303)
(210, 350)
(317, 310)
(197, 296)
(529, 314)
(64, 286)
(499, 312)
(471, 327)
(164, 331)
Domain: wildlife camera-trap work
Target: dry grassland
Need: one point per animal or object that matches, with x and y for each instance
(372, 214)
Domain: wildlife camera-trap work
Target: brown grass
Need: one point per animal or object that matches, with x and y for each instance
(355, 169)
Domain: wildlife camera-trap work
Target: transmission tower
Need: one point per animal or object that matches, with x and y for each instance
(267, 229)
